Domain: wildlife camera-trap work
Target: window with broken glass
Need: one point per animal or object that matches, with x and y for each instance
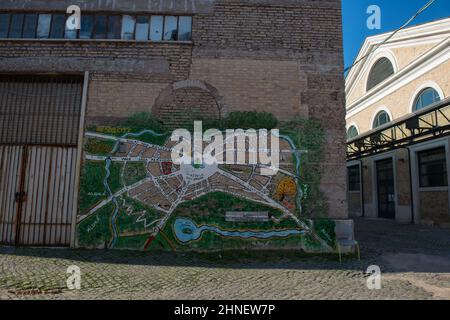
(95, 26)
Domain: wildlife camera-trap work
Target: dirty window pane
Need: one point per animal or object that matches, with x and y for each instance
(58, 26)
(29, 26)
(354, 178)
(16, 26)
(170, 28)
(87, 26)
(156, 28)
(100, 27)
(433, 168)
(128, 27)
(114, 27)
(4, 25)
(70, 27)
(43, 28)
(185, 28)
(142, 26)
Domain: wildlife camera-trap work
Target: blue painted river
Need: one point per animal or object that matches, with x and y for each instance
(186, 231)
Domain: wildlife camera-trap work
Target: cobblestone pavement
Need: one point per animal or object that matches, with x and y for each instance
(415, 262)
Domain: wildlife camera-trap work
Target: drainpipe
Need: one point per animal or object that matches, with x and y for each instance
(361, 173)
(410, 184)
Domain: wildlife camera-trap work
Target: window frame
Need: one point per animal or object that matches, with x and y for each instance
(148, 17)
(369, 85)
(8, 25)
(377, 115)
(178, 27)
(49, 25)
(133, 37)
(350, 183)
(93, 34)
(91, 29)
(36, 22)
(11, 23)
(77, 32)
(420, 164)
(63, 28)
(420, 95)
(348, 130)
(164, 27)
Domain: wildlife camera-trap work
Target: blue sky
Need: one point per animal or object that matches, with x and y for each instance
(394, 13)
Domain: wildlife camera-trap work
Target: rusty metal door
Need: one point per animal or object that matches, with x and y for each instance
(10, 168)
(45, 209)
(39, 121)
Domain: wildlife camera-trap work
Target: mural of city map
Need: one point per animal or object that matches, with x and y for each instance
(133, 196)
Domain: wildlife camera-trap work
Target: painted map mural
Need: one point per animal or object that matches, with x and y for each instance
(133, 197)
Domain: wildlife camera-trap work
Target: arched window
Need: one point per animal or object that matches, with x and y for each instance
(352, 132)
(426, 97)
(381, 118)
(381, 70)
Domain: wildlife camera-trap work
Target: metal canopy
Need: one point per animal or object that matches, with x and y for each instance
(426, 124)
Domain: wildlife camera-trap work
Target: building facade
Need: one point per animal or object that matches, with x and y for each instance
(69, 94)
(397, 126)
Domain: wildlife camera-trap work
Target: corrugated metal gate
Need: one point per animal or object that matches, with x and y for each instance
(39, 123)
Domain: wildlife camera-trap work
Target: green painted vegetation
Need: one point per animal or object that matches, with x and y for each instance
(143, 121)
(134, 172)
(98, 147)
(95, 231)
(160, 243)
(324, 228)
(127, 223)
(131, 242)
(136, 124)
(210, 209)
(243, 120)
(308, 135)
(92, 190)
(114, 180)
(152, 139)
(234, 120)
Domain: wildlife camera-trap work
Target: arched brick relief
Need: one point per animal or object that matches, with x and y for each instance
(184, 100)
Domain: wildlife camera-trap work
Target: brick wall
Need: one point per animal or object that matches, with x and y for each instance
(258, 24)
(126, 77)
(260, 85)
(280, 56)
(284, 57)
(434, 207)
(188, 105)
